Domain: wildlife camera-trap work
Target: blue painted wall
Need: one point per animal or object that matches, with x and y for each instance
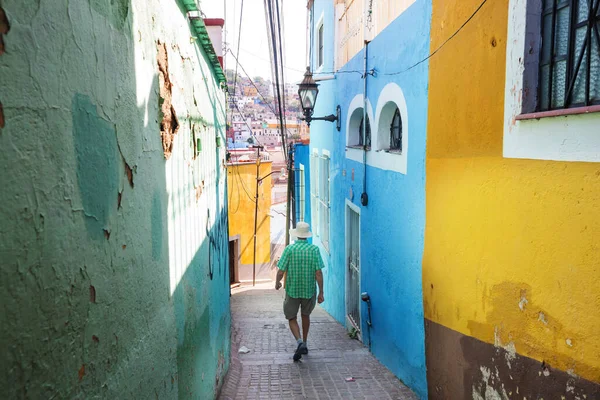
(392, 225)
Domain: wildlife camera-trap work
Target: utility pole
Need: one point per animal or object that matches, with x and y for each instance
(289, 196)
(256, 214)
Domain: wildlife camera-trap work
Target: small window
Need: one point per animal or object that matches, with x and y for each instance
(367, 133)
(569, 61)
(320, 46)
(396, 132)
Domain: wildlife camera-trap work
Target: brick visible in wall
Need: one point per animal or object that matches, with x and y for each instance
(169, 125)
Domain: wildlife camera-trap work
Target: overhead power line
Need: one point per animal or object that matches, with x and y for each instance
(238, 45)
(276, 52)
(420, 61)
(444, 43)
(268, 103)
(266, 60)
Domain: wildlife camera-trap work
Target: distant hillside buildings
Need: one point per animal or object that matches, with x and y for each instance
(252, 117)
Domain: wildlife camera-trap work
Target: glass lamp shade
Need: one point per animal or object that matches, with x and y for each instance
(308, 91)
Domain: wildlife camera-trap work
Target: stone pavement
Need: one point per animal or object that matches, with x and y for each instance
(268, 372)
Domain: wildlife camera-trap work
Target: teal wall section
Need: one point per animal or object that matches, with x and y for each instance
(114, 264)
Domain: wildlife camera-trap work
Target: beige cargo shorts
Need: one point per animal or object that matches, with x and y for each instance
(291, 306)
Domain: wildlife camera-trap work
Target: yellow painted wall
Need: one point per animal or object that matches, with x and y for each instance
(241, 187)
(512, 247)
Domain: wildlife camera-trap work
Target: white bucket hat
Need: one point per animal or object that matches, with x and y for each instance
(302, 231)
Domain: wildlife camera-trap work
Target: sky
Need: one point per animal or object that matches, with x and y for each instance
(254, 49)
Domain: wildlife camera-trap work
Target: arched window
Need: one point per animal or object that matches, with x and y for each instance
(396, 132)
(367, 133)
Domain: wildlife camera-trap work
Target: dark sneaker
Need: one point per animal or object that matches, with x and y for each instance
(299, 351)
(303, 348)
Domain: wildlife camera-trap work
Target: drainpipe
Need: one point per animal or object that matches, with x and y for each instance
(364, 198)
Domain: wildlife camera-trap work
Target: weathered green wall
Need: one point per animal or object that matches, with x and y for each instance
(113, 259)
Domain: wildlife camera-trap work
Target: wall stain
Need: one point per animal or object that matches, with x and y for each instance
(517, 324)
(157, 226)
(96, 152)
(116, 11)
(92, 294)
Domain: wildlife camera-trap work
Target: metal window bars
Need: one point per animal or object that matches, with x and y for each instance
(569, 67)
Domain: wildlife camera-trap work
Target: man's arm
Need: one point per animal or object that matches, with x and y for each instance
(278, 279)
(282, 265)
(319, 277)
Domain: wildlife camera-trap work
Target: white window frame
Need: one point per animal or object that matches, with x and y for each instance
(319, 25)
(354, 115)
(324, 199)
(390, 97)
(314, 191)
(560, 138)
(301, 199)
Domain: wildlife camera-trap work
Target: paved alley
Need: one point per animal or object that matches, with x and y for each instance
(268, 372)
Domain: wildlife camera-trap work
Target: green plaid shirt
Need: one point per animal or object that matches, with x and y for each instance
(301, 260)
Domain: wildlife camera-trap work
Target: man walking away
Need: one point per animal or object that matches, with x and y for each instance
(303, 263)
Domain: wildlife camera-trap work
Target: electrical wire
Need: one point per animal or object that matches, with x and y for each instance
(238, 46)
(269, 104)
(444, 43)
(271, 21)
(243, 184)
(266, 60)
(281, 59)
(246, 122)
(420, 61)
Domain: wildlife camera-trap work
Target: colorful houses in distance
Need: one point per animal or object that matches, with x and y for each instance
(462, 191)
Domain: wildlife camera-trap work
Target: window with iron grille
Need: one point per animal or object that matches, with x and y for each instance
(324, 201)
(367, 136)
(314, 193)
(320, 46)
(569, 59)
(396, 132)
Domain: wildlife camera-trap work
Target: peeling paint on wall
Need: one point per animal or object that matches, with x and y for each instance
(4, 28)
(88, 317)
(169, 124)
(523, 276)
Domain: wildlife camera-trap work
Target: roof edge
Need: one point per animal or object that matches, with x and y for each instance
(203, 38)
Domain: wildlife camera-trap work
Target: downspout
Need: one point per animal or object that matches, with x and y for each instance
(364, 198)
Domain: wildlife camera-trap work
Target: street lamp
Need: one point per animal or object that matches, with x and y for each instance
(308, 90)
